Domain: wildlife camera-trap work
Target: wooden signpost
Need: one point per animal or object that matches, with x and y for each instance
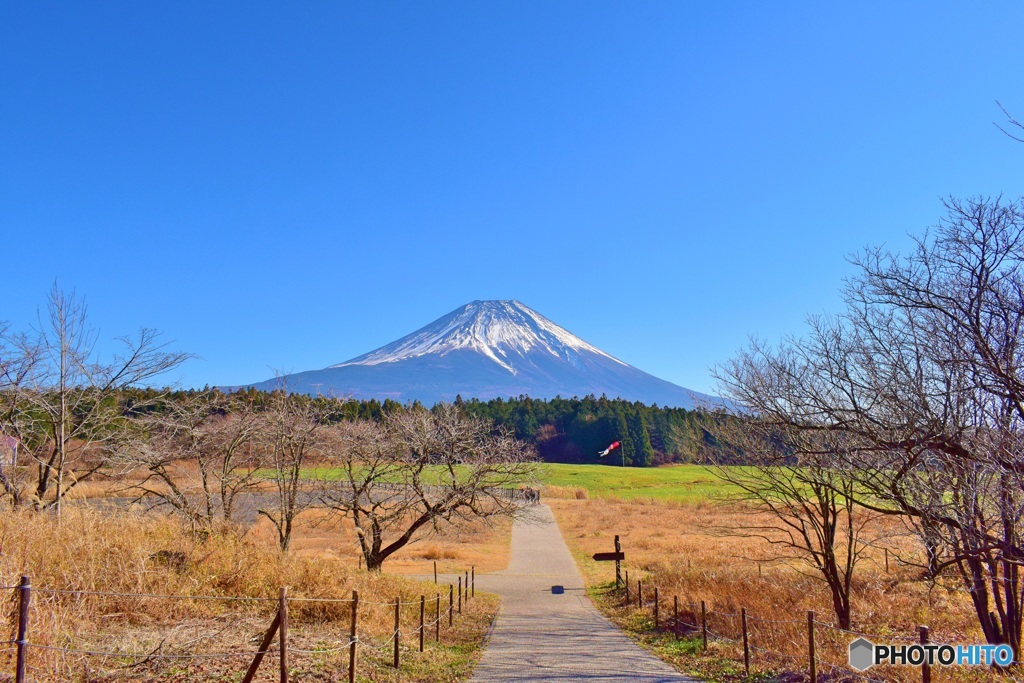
(618, 556)
(601, 557)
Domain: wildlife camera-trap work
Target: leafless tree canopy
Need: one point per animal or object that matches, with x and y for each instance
(296, 432)
(809, 506)
(60, 395)
(419, 470)
(199, 454)
(19, 356)
(920, 378)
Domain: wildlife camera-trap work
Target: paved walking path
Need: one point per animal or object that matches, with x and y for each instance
(542, 634)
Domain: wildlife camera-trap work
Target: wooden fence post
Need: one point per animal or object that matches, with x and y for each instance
(746, 645)
(460, 595)
(423, 608)
(24, 595)
(435, 572)
(437, 620)
(627, 587)
(268, 638)
(467, 586)
(675, 615)
(811, 659)
(926, 671)
(704, 624)
(639, 593)
(451, 604)
(886, 560)
(398, 633)
(472, 575)
(352, 639)
(657, 615)
(282, 631)
(618, 565)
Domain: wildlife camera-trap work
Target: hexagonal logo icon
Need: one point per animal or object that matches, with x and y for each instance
(861, 651)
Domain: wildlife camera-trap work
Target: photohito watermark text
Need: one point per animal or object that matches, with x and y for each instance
(864, 654)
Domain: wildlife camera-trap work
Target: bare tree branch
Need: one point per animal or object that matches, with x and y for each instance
(420, 470)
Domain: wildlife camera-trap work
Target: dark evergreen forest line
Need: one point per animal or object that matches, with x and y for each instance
(576, 430)
(571, 430)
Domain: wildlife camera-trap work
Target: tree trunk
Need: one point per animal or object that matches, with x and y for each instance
(841, 605)
(374, 562)
(976, 588)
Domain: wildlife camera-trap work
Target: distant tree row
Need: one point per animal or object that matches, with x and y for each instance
(572, 430)
(576, 429)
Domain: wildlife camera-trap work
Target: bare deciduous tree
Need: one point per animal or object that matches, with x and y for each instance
(200, 453)
(19, 355)
(295, 432)
(808, 507)
(70, 395)
(420, 470)
(920, 377)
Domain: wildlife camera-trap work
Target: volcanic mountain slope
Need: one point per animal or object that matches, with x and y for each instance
(488, 349)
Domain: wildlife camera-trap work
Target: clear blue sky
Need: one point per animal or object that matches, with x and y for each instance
(289, 185)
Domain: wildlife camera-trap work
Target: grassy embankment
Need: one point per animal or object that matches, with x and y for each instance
(678, 537)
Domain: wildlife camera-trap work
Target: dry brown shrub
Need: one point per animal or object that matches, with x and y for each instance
(570, 492)
(433, 551)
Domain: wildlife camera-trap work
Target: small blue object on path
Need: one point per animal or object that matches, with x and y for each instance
(547, 629)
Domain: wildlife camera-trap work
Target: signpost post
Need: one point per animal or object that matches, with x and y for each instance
(618, 556)
(618, 564)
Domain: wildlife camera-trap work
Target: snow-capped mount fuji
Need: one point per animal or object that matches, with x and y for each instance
(488, 349)
(506, 332)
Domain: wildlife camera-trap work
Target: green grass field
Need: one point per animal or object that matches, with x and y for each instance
(680, 483)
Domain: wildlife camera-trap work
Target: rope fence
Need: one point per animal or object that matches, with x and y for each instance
(58, 655)
(804, 645)
(223, 598)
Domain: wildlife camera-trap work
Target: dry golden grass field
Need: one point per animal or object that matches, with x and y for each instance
(75, 624)
(318, 535)
(673, 540)
(476, 544)
(681, 549)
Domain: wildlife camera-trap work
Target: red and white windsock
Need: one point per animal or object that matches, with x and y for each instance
(615, 444)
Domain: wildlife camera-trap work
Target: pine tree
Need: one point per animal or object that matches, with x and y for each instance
(628, 451)
(643, 452)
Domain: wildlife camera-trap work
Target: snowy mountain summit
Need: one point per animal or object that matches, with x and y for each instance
(485, 350)
(507, 332)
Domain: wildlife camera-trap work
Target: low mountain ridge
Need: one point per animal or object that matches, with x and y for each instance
(488, 349)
